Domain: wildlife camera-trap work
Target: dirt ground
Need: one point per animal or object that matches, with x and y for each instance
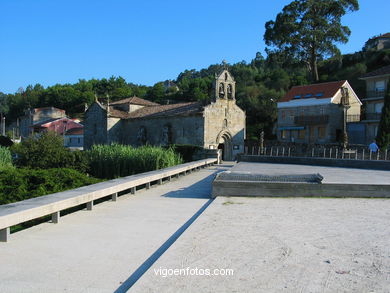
(281, 245)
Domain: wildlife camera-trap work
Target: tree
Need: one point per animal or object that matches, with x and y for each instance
(307, 30)
(45, 151)
(383, 136)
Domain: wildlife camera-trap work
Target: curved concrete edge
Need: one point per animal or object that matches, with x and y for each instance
(263, 189)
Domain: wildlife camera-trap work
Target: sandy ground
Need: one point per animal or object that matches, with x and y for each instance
(281, 245)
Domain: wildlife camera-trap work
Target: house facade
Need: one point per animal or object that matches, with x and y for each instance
(136, 122)
(377, 83)
(74, 138)
(315, 113)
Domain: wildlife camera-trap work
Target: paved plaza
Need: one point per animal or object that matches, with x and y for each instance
(270, 244)
(330, 174)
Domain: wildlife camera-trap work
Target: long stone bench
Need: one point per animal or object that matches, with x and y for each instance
(52, 204)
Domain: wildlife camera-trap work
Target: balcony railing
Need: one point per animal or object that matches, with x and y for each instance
(375, 94)
(353, 118)
(311, 120)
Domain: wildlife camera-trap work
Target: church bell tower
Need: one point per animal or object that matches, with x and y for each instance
(224, 85)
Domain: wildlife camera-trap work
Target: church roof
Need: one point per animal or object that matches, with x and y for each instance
(135, 101)
(181, 109)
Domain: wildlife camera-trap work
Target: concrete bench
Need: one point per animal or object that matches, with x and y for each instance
(52, 204)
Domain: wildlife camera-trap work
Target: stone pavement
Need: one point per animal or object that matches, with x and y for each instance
(330, 174)
(97, 251)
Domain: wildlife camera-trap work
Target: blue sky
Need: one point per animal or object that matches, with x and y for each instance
(61, 41)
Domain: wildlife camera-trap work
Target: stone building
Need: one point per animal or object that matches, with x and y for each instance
(37, 116)
(136, 122)
(315, 114)
(378, 43)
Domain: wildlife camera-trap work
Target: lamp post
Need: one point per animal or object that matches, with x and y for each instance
(345, 104)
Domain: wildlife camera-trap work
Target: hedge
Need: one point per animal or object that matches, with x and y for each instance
(20, 184)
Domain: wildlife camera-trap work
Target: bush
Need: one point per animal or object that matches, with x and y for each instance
(5, 157)
(186, 151)
(112, 161)
(5, 141)
(20, 184)
(47, 151)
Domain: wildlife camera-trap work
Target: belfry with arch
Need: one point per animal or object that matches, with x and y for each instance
(135, 121)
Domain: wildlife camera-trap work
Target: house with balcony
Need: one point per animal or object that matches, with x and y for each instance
(376, 85)
(317, 113)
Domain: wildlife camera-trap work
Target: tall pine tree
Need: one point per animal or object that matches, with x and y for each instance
(307, 30)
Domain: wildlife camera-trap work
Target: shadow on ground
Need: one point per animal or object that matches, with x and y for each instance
(201, 189)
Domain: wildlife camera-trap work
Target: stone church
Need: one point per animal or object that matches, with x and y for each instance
(135, 121)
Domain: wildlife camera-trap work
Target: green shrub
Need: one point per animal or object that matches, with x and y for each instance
(5, 157)
(5, 141)
(112, 161)
(19, 184)
(186, 151)
(47, 151)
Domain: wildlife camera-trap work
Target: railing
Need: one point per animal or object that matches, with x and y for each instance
(372, 116)
(319, 152)
(52, 204)
(376, 94)
(353, 118)
(311, 120)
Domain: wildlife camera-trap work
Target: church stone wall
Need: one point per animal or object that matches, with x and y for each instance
(114, 130)
(224, 117)
(183, 130)
(95, 126)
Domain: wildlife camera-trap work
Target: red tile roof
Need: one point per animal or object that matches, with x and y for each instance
(318, 91)
(135, 101)
(181, 109)
(75, 131)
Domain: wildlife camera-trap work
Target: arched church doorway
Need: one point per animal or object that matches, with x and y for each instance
(225, 144)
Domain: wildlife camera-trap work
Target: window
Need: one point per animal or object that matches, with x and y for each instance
(380, 85)
(297, 97)
(283, 134)
(78, 140)
(308, 95)
(301, 134)
(283, 114)
(321, 132)
(378, 107)
(319, 94)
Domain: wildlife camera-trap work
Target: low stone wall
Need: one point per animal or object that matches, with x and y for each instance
(208, 154)
(346, 163)
(278, 189)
